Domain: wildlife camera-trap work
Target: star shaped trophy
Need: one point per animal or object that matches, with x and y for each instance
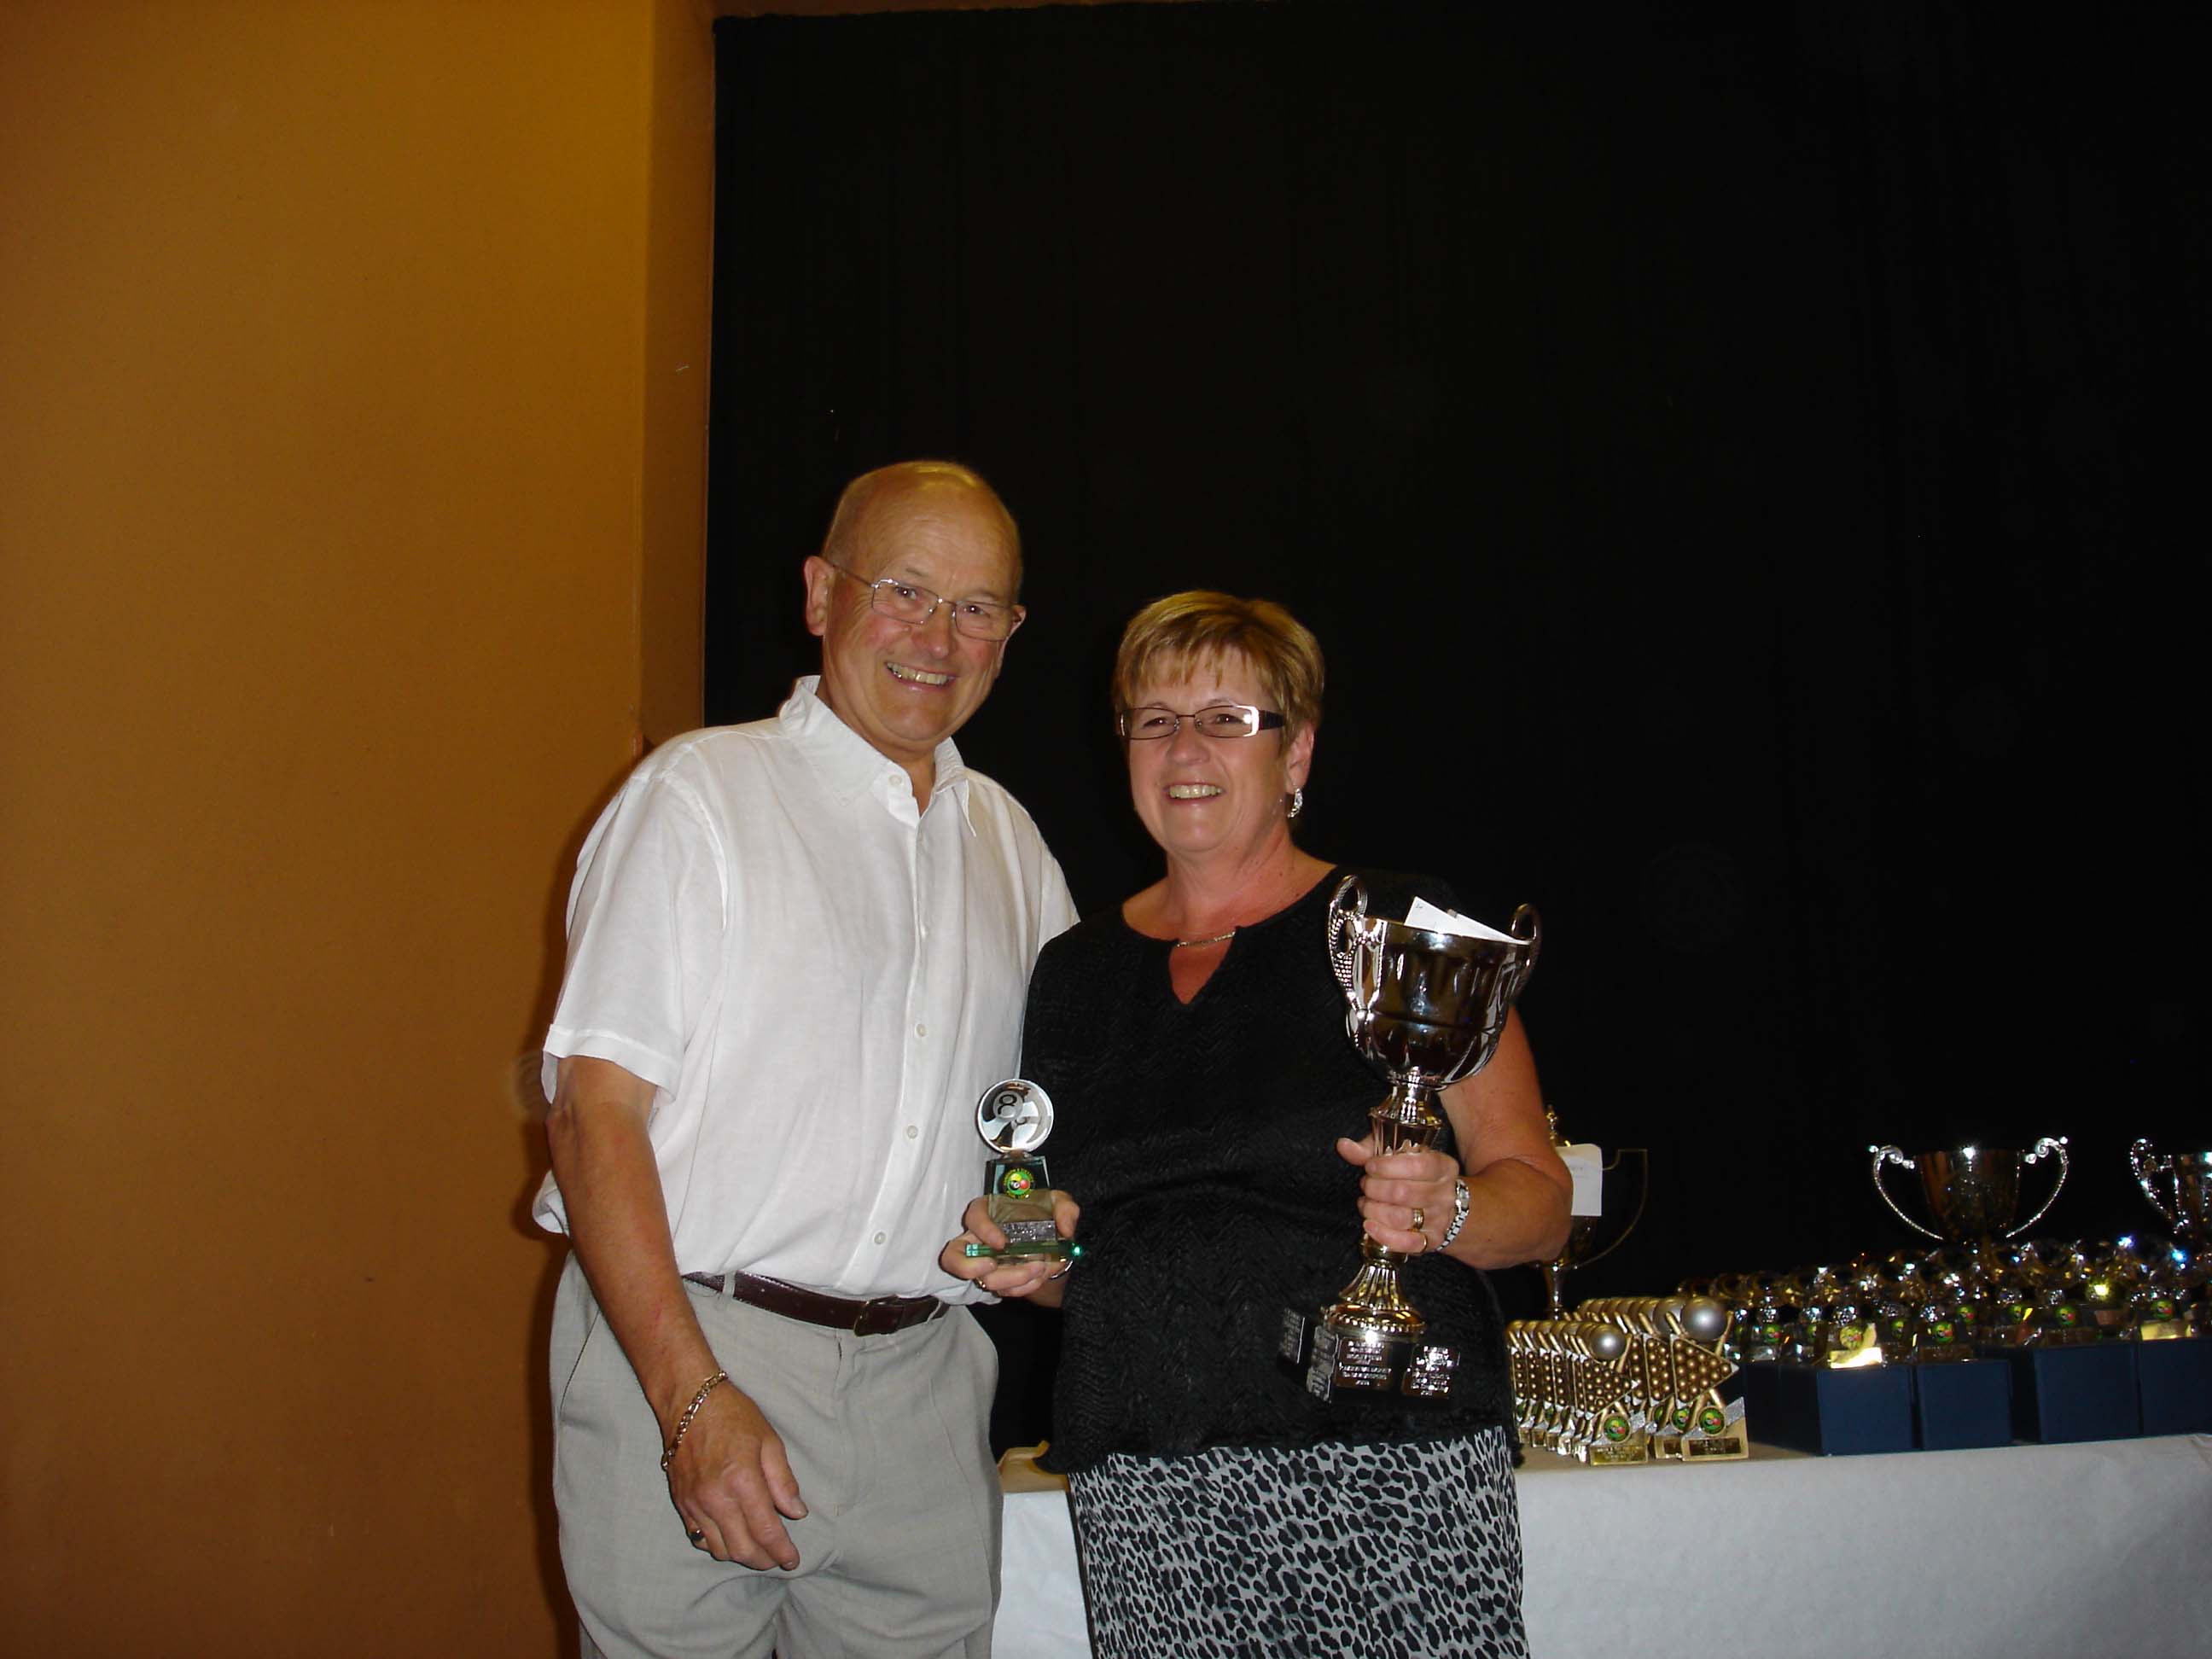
(1426, 1000)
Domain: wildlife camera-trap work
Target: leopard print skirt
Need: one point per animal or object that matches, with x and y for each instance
(1328, 1552)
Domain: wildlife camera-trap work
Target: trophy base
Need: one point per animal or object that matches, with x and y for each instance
(1332, 1356)
(1053, 1249)
(1618, 1443)
(1718, 1429)
(1017, 1194)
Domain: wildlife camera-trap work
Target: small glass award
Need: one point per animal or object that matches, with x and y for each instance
(1014, 1117)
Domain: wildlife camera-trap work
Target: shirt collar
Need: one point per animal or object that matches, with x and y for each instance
(849, 764)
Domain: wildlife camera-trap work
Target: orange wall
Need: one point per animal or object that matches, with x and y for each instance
(352, 381)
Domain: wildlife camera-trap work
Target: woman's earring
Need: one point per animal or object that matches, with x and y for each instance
(1298, 803)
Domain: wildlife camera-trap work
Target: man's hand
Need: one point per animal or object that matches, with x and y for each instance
(1035, 1278)
(731, 1481)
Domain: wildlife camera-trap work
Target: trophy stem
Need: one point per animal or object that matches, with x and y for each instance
(1407, 1120)
(1373, 1305)
(1374, 1301)
(1555, 1287)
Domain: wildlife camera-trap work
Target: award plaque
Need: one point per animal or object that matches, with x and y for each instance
(1425, 1008)
(1014, 1117)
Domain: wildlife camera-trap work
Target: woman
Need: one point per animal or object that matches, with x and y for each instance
(1207, 1104)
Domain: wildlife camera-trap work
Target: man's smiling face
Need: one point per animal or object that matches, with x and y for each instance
(906, 687)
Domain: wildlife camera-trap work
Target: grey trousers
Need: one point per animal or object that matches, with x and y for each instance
(887, 1435)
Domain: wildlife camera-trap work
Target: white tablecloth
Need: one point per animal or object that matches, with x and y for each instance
(2102, 1548)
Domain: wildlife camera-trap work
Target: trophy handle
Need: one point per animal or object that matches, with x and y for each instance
(1526, 925)
(1642, 1192)
(1346, 909)
(2146, 1164)
(2048, 1143)
(1890, 1155)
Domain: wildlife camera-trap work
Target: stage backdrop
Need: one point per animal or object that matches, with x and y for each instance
(1730, 466)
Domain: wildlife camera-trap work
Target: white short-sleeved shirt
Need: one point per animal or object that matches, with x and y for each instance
(818, 982)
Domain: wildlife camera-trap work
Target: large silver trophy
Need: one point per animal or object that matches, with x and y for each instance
(1974, 1192)
(1425, 1008)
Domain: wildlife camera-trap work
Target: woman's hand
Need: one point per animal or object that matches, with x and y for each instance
(1407, 1198)
(1035, 1278)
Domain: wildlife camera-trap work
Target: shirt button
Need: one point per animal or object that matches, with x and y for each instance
(921, 1030)
(879, 1238)
(912, 1131)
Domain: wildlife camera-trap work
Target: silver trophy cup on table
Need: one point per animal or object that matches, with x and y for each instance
(1591, 1238)
(1425, 1009)
(2179, 1188)
(1971, 1193)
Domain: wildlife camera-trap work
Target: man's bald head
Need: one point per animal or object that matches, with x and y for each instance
(905, 489)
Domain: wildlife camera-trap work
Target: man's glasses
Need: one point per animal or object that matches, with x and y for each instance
(1221, 719)
(903, 601)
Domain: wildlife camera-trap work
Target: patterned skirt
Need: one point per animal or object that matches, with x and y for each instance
(1397, 1551)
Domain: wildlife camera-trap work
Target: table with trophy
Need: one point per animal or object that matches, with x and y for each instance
(1660, 1511)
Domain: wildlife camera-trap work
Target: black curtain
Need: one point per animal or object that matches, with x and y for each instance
(1740, 465)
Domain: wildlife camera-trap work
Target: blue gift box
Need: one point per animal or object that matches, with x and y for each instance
(1960, 1403)
(1819, 1408)
(2173, 1385)
(2082, 1393)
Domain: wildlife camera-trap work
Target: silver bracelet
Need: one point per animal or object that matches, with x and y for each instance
(1459, 1214)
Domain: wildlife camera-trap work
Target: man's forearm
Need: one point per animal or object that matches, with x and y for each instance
(618, 1223)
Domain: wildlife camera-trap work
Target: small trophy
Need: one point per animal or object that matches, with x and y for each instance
(1971, 1193)
(2179, 1188)
(1014, 1117)
(1426, 1007)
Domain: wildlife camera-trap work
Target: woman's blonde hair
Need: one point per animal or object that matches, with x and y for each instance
(1171, 638)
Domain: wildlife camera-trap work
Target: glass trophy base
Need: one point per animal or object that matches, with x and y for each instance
(1018, 1193)
(1027, 1239)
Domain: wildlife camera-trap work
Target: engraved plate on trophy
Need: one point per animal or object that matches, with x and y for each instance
(1014, 1117)
(1424, 1007)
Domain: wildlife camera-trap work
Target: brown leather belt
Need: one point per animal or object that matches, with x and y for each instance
(879, 1316)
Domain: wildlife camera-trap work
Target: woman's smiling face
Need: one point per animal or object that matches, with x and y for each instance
(1199, 795)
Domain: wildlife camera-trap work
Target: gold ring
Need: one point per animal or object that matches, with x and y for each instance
(1420, 1220)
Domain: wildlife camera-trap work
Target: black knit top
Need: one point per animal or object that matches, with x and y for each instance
(1199, 1139)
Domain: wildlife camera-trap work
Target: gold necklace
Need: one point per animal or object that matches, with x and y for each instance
(1215, 940)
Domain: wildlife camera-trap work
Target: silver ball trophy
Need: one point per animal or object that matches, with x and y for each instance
(1014, 1118)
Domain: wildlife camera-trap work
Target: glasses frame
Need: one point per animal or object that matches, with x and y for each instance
(936, 600)
(1263, 719)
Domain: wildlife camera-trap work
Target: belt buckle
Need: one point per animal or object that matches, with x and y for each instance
(878, 1316)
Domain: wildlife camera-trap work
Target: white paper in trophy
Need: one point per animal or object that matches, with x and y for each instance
(1586, 1164)
(1431, 919)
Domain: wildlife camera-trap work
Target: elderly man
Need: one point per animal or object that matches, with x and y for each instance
(797, 954)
